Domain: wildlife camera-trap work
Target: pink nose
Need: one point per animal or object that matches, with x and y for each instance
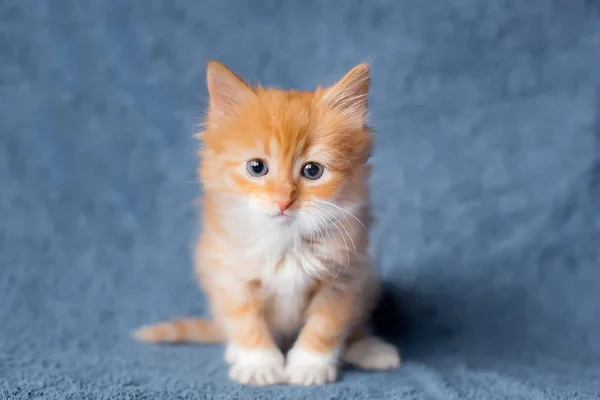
(284, 204)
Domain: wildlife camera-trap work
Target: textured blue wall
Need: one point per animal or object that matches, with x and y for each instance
(486, 187)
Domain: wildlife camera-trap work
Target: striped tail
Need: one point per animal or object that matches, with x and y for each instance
(182, 330)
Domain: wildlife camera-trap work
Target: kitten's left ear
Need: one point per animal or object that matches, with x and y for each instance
(349, 94)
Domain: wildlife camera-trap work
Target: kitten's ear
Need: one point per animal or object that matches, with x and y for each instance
(226, 90)
(349, 94)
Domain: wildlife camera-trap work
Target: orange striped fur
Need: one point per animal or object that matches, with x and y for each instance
(283, 254)
(183, 330)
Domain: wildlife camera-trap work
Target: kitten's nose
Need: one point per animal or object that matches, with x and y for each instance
(284, 204)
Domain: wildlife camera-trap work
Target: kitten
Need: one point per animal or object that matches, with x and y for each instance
(283, 253)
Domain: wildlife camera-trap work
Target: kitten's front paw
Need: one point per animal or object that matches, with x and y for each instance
(311, 374)
(231, 353)
(258, 367)
(309, 368)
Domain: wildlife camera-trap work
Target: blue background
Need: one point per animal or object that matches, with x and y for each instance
(486, 188)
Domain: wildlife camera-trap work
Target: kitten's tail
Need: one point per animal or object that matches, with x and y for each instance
(182, 330)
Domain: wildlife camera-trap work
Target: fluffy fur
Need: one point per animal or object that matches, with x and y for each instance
(282, 258)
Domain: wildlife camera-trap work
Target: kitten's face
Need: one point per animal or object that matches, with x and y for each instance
(285, 156)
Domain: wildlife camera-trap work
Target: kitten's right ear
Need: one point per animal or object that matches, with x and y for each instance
(226, 90)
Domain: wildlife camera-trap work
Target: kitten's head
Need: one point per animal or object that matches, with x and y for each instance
(284, 155)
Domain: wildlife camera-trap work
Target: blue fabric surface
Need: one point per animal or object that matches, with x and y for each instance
(486, 188)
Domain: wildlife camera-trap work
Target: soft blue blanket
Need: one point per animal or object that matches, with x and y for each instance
(486, 188)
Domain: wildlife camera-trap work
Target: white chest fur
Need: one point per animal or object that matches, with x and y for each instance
(286, 266)
(286, 286)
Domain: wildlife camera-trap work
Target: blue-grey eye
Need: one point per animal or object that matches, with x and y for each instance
(257, 168)
(312, 170)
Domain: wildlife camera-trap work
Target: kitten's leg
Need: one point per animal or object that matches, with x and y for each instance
(251, 351)
(313, 360)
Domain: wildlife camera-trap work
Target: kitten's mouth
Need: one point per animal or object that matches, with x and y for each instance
(282, 217)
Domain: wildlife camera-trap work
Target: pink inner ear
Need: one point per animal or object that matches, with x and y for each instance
(226, 90)
(349, 95)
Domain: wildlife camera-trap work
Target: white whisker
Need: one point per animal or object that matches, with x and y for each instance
(318, 230)
(331, 237)
(347, 233)
(312, 222)
(341, 209)
(335, 223)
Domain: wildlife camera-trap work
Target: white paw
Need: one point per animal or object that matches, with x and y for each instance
(257, 367)
(372, 353)
(308, 368)
(231, 353)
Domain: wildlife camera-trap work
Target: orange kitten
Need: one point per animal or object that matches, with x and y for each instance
(283, 253)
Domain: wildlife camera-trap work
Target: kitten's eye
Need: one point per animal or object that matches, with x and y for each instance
(257, 168)
(312, 171)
